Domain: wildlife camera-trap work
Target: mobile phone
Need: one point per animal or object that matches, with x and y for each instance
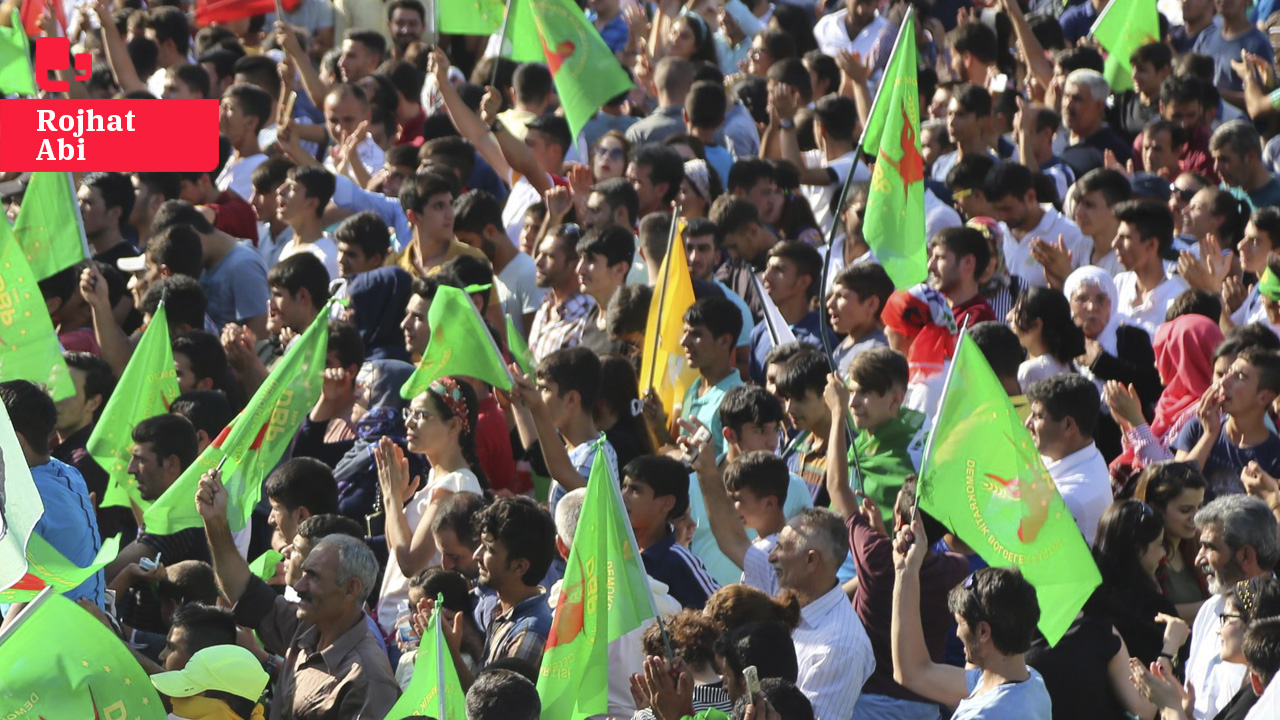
(147, 564)
(753, 681)
(109, 602)
(699, 437)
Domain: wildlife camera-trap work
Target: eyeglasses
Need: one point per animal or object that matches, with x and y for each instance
(1224, 617)
(611, 153)
(416, 415)
(1183, 194)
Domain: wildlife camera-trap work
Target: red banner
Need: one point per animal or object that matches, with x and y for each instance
(108, 135)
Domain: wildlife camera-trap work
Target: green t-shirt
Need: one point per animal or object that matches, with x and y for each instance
(886, 457)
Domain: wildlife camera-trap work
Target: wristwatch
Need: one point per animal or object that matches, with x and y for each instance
(786, 124)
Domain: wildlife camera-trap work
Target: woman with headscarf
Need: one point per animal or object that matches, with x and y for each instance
(1112, 351)
(700, 187)
(919, 324)
(998, 287)
(1184, 359)
(378, 301)
(376, 413)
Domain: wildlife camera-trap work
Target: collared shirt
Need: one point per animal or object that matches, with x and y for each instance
(706, 407)
(349, 679)
(757, 571)
(658, 126)
(1017, 253)
(1085, 484)
(520, 632)
(69, 523)
(1214, 679)
(834, 655)
(371, 156)
(1147, 314)
(832, 35)
(689, 582)
(558, 326)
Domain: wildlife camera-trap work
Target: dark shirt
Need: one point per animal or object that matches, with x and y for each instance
(520, 632)
(141, 603)
(808, 329)
(737, 276)
(1075, 670)
(1088, 154)
(1128, 115)
(1226, 459)
(873, 601)
(122, 249)
(1076, 21)
(1267, 195)
(597, 340)
(686, 578)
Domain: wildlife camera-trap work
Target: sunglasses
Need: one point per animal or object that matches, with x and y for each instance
(1182, 194)
(611, 153)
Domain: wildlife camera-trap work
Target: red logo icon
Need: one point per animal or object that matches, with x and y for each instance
(53, 54)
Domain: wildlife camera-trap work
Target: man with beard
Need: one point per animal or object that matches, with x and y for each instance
(407, 20)
(557, 322)
(476, 218)
(957, 257)
(1238, 541)
(517, 542)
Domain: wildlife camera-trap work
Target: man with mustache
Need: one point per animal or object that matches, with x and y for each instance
(1238, 541)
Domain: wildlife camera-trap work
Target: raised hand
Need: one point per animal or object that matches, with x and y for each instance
(211, 496)
(1124, 403)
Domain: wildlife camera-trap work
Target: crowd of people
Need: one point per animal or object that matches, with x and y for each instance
(1104, 237)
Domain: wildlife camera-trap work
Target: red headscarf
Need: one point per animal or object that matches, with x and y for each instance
(921, 314)
(1184, 356)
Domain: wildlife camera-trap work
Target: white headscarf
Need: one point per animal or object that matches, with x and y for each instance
(1097, 277)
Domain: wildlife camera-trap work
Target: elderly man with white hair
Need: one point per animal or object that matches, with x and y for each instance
(333, 667)
(1084, 112)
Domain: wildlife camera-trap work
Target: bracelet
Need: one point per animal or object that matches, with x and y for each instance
(786, 124)
(497, 124)
(1167, 655)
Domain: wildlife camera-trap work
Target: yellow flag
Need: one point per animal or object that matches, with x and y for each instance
(663, 366)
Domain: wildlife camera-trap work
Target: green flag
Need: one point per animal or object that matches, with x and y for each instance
(48, 226)
(46, 567)
(1124, 26)
(519, 348)
(586, 72)
(58, 661)
(435, 690)
(29, 348)
(20, 506)
(604, 595)
(264, 566)
(148, 385)
(254, 441)
(470, 17)
(894, 221)
(15, 60)
(460, 344)
(983, 478)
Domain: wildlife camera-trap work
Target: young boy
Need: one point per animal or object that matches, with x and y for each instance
(751, 420)
(560, 406)
(1146, 290)
(711, 328)
(300, 202)
(655, 492)
(751, 495)
(800, 385)
(1223, 449)
(890, 437)
(853, 308)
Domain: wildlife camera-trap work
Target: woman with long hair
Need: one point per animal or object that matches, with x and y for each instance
(691, 39)
(1042, 321)
(440, 424)
(617, 410)
(1128, 550)
(609, 156)
(1176, 491)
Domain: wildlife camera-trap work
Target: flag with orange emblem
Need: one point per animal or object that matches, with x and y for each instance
(604, 595)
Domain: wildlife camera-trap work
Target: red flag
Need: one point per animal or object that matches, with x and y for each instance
(33, 9)
(212, 11)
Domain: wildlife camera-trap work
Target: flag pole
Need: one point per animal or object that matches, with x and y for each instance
(75, 203)
(908, 23)
(502, 40)
(439, 640)
(26, 613)
(928, 443)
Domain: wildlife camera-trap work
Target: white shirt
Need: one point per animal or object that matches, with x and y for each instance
(1268, 706)
(1085, 484)
(834, 254)
(1147, 314)
(834, 655)
(237, 175)
(1251, 310)
(1040, 368)
(1017, 253)
(523, 194)
(518, 289)
(1109, 262)
(820, 197)
(325, 249)
(756, 570)
(1215, 681)
(833, 36)
(371, 157)
(938, 215)
(395, 586)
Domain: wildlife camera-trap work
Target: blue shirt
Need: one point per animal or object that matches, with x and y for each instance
(807, 330)
(706, 409)
(1076, 21)
(237, 287)
(686, 578)
(614, 32)
(69, 523)
(520, 632)
(721, 160)
(1212, 43)
(1026, 700)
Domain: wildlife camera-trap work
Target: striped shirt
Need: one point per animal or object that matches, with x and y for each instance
(686, 579)
(810, 464)
(834, 655)
(556, 327)
(520, 632)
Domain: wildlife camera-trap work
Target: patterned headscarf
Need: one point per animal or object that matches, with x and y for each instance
(921, 315)
(695, 171)
(447, 389)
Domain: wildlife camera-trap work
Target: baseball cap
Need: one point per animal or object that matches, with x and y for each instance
(225, 668)
(1146, 185)
(134, 264)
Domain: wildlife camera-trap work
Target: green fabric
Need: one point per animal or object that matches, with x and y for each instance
(586, 72)
(519, 348)
(469, 17)
(604, 595)
(254, 441)
(15, 60)
(22, 505)
(1124, 26)
(148, 385)
(62, 662)
(48, 226)
(894, 221)
(983, 478)
(432, 668)
(29, 348)
(46, 567)
(885, 458)
(1269, 285)
(264, 566)
(460, 344)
